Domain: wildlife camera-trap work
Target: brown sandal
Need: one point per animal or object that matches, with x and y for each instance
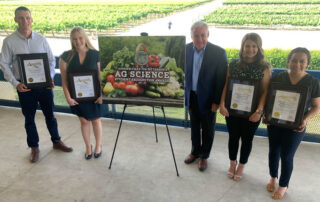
(277, 195)
(270, 187)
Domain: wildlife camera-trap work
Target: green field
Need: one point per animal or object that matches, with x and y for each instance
(278, 57)
(100, 15)
(267, 13)
(272, 2)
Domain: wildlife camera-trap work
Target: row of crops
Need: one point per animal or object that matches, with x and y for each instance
(278, 57)
(272, 2)
(267, 13)
(101, 15)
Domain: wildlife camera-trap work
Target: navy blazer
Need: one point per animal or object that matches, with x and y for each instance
(211, 79)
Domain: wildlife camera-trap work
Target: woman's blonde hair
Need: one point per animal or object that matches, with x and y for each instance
(83, 33)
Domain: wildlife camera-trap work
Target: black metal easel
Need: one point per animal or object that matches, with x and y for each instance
(115, 144)
(155, 126)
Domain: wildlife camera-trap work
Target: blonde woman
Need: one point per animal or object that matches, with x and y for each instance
(83, 56)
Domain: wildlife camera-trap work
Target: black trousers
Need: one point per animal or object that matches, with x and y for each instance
(244, 129)
(29, 102)
(202, 129)
(283, 143)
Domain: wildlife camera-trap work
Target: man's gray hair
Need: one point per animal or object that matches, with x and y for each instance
(198, 24)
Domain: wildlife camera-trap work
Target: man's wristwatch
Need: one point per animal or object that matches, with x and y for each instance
(259, 111)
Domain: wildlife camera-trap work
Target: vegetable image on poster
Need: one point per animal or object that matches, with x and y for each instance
(143, 70)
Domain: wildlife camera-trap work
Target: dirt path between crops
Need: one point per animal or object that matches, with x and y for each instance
(227, 38)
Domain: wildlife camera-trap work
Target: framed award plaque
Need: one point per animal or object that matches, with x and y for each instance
(84, 85)
(34, 70)
(285, 105)
(242, 96)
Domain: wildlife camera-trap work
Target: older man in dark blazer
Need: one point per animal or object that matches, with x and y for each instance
(206, 67)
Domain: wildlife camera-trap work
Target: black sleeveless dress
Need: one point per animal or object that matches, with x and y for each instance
(90, 110)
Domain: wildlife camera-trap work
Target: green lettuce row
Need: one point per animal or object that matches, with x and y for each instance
(94, 15)
(296, 15)
(272, 2)
(278, 57)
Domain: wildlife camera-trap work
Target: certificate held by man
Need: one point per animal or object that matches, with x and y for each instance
(34, 70)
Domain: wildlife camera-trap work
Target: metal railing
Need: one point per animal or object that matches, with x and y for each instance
(176, 116)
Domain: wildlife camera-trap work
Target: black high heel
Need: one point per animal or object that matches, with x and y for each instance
(97, 155)
(88, 156)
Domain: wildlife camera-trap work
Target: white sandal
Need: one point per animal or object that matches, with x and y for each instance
(231, 174)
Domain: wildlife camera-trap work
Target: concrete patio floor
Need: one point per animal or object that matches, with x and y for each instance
(142, 169)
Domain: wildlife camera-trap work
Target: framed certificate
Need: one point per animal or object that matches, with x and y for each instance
(34, 70)
(285, 105)
(84, 85)
(242, 96)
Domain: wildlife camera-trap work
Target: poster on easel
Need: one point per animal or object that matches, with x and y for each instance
(143, 70)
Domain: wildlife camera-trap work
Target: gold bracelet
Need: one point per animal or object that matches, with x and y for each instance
(259, 111)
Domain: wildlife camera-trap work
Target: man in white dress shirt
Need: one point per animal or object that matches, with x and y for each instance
(25, 41)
